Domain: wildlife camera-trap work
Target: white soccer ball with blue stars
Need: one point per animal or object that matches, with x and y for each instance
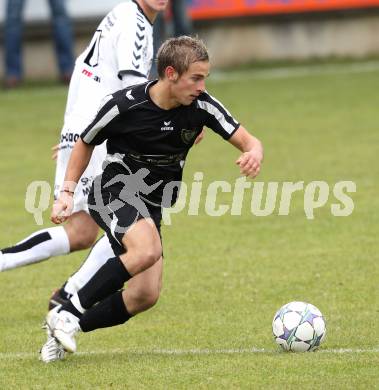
(299, 327)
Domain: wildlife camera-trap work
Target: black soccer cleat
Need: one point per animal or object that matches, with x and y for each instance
(58, 297)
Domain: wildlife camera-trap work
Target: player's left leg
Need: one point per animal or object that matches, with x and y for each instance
(142, 293)
(144, 249)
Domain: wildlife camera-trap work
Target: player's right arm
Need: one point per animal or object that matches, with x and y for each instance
(79, 159)
(94, 134)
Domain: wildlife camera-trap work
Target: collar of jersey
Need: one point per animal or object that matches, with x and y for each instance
(147, 88)
(141, 10)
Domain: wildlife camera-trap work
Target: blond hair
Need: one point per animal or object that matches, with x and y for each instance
(180, 53)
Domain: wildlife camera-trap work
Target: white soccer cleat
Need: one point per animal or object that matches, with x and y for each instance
(50, 320)
(64, 327)
(52, 350)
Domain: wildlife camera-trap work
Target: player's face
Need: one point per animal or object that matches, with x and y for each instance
(155, 5)
(191, 83)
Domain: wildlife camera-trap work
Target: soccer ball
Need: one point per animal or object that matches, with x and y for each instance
(299, 327)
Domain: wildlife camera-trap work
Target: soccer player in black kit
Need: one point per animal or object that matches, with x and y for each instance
(149, 130)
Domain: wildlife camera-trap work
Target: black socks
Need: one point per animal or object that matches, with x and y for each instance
(107, 280)
(109, 312)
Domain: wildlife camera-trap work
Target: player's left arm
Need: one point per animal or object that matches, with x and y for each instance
(251, 158)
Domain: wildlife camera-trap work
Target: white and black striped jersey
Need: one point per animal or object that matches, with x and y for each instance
(122, 43)
(132, 123)
(120, 52)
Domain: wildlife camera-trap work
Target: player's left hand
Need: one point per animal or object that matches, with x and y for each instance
(250, 162)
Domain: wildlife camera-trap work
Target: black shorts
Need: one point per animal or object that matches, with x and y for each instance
(116, 216)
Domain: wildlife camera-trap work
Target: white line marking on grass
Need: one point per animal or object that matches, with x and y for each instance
(295, 71)
(181, 352)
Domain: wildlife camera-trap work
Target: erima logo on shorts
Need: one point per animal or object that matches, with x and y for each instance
(167, 126)
(69, 137)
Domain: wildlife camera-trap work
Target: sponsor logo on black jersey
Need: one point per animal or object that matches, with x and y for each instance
(167, 126)
(188, 135)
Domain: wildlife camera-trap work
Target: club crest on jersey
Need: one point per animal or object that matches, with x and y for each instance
(188, 135)
(167, 126)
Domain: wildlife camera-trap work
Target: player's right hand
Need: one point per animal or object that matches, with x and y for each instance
(62, 208)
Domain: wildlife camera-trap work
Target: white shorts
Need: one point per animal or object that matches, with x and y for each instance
(68, 139)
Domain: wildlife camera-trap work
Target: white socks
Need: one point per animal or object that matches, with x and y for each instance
(99, 254)
(54, 242)
(76, 302)
(37, 247)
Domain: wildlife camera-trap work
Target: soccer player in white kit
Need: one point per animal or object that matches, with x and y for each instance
(120, 54)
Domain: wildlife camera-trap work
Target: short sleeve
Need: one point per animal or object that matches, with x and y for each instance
(217, 117)
(101, 127)
(132, 43)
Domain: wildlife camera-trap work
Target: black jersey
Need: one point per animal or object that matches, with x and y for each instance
(134, 125)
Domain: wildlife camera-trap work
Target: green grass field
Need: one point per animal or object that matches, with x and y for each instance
(224, 277)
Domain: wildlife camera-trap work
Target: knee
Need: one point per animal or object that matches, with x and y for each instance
(144, 299)
(149, 298)
(84, 240)
(147, 257)
(81, 238)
